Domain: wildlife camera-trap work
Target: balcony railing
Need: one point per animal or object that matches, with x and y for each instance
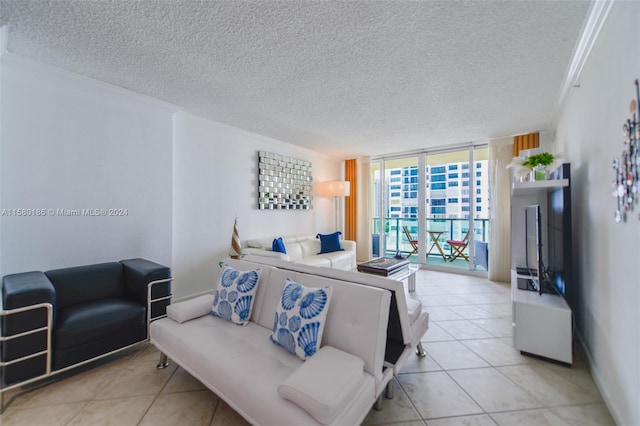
(451, 229)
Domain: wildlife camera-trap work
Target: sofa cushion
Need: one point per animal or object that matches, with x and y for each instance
(255, 244)
(324, 384)
(80, 324)
(265, 253)
(339, 259)
(83, 284)
(415, 309)
(329, 242)
(310, 248)
(300, 318)
(190, 309)
(278, 245)
(235, 294)
(295, 251)
(315, 261)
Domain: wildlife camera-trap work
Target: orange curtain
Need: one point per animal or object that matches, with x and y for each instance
(532, 140)
(351, 202)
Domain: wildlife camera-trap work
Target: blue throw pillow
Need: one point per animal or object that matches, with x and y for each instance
(330, 242)
(235, 293)
(300, 318)
(278, 245)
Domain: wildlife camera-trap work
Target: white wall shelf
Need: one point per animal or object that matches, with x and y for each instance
(523, 188)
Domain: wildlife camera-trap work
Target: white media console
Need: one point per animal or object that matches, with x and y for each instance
(542, 323)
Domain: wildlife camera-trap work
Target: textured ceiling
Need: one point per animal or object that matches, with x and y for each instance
(346, 78)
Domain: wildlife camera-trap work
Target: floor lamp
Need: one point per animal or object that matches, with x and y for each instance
(335, 189)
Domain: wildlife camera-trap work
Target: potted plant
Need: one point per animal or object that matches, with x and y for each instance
(538, 163)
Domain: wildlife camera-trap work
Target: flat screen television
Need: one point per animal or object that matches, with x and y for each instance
(554, 274)
(533, 244)
(559, 236)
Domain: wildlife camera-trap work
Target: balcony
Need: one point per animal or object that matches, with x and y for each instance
(447, 229)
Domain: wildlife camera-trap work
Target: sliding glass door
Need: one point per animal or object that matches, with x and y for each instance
(433, 208)
(396, 186)
(447, 204)
(480, 211)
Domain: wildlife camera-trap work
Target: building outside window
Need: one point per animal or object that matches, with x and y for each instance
(447, 203)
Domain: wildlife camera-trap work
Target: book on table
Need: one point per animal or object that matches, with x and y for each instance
(384, 266)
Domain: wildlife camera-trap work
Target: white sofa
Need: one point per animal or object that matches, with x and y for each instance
(408, 320)
(305, 249)
(337, 385)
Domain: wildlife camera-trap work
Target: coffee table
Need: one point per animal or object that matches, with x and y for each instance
(408, 273)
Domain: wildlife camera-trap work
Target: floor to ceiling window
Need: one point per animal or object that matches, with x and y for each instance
(396, 196)
(433, 207)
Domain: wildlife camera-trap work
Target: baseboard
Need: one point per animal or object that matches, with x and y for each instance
(609, 402)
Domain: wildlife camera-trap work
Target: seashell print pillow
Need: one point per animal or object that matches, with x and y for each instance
(300, 318)
(235, 293)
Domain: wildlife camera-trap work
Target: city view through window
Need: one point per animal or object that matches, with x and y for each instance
(448, 201)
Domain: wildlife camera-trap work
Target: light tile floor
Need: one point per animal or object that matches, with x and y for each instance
(471, 376)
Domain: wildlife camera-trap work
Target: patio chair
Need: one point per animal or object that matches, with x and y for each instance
(459, 246)
(412, 241)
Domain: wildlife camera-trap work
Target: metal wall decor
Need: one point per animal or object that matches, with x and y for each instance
(627, 167)
(284, 183)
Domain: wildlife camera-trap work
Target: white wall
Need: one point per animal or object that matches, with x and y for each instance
(68, 142)
(589, 133)
(72, 143)
(216, 179)
(4, 31)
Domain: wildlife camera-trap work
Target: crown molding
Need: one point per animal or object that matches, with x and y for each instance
(596, 17)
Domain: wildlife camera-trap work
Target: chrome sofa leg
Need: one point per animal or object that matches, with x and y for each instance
(420, 350)
(378, 405)
(389, 390)
(163, 363)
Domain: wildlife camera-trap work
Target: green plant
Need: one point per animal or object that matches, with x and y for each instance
(544, 159)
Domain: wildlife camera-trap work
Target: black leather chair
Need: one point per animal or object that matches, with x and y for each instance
(69, 316)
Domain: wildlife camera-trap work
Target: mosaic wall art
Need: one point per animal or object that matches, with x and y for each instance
(626, 185)
(284, 183)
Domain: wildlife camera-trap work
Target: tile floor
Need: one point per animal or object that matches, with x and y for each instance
(471, 376)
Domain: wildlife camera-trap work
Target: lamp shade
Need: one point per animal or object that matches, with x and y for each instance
(334, 188)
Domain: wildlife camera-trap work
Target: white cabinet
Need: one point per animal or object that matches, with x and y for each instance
(542, 323)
